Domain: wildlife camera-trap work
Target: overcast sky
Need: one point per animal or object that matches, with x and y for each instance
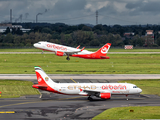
(110, 12)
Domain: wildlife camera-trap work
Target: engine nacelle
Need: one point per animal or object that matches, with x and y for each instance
(59, 53)
(105, 95)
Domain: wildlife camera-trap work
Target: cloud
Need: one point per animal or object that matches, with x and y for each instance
(110, 11)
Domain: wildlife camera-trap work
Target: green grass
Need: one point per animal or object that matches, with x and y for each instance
(15, 88)
(21, 50)
(147, 112)
(52, 64)
(151, 87)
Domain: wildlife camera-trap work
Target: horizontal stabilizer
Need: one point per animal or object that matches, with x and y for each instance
(104, 57)
(39, 86)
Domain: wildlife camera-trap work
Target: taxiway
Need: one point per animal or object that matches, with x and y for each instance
(55, 106)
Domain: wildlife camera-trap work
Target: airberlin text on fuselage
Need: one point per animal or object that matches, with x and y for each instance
(114, 87)
(93, 87)
(56, 47)
(74, 87)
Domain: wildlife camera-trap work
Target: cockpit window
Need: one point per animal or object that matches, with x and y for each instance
(135, 87)
(39, 43)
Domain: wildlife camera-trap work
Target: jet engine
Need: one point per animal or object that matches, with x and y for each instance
(105, 95)
(59, 53)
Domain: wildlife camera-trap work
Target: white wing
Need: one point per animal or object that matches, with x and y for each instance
(92, 92)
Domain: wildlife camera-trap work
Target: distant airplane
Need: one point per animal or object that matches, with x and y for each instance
(101, 90)
(61, 50)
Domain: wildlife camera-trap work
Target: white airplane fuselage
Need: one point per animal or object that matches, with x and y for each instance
(52, 47)
(113, 88)
(102, 90)
(61, 50)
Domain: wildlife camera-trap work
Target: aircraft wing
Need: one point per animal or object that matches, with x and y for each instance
(92, 92)
(70, 52)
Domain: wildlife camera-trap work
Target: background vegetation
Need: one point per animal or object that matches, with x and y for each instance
(151, 87)
(83, 35)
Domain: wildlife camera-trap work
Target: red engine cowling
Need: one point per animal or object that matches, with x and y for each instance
(59, 53)
(105, 95)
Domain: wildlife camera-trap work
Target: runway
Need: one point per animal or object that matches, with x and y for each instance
(82, 76)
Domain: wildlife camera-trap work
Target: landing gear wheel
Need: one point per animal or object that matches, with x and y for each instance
(67, 58)
(90, 99)
(127, 97)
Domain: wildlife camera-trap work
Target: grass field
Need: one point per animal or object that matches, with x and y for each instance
(147, 112)
(21, 50)
(52, 64)
(151, 87)
(15, 88)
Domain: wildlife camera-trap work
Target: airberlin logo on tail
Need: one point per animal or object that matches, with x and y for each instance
(104, 49)
(39, 79)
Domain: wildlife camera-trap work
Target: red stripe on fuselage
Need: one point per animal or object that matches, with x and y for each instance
(90, 56)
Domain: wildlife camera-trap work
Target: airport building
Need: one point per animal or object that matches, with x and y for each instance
(4, 26)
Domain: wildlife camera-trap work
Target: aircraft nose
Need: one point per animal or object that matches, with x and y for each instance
(140, 90)
(35, 44)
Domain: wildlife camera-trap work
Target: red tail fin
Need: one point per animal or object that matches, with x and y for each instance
(40, 79)
(103, 50)
(44, 80)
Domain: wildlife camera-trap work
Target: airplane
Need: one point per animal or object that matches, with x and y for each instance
(61, 50)
(101, 90)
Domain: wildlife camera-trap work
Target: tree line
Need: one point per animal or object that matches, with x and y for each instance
(83, 35)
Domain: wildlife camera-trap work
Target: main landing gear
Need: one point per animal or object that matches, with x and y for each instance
(127, 97)
(90, 98)
(68, 58)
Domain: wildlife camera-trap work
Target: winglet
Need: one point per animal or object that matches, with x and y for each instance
(78, 46)
(82, 49)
